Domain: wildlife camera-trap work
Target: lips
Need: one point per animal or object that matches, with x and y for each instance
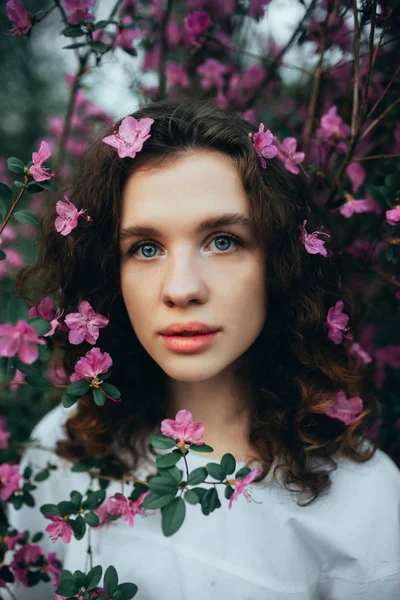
(189, 329)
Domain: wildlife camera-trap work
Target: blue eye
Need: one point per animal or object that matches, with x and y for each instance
(147, 243)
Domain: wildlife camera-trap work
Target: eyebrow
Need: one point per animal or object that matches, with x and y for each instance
(207, 223)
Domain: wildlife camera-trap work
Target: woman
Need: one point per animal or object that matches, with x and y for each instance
(162, 248)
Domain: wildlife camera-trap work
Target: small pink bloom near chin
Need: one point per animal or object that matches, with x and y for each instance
(92, 364)
(183, 429)
(240, 485)
(345, 409)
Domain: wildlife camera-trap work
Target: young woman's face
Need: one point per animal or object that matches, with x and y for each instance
(179, 274)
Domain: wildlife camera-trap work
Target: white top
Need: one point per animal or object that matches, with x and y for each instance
(344, 546)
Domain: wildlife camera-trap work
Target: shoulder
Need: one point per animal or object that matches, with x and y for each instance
(51, 427)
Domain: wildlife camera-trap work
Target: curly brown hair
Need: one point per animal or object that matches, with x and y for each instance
(294, 369)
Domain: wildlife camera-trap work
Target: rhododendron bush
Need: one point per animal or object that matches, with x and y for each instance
(338, 123)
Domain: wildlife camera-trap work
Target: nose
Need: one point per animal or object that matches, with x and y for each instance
(184, 281)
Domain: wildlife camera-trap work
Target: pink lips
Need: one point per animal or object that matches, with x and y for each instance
(180, 343)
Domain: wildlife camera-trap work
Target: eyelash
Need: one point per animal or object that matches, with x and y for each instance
(133, 250)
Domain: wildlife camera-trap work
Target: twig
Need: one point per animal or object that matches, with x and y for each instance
(13, 596)
(348, 62)
(10, 212)
(114, 10)
(381, 116)
(363, 158)
(356, 50)
(164, 51)
(383, 93)
(89, 549)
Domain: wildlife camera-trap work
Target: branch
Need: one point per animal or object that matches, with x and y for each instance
(114, 10)
(164, 51)
(10, 212)
(362, 158)
(385, 112)
(383, 93)
(356, 49)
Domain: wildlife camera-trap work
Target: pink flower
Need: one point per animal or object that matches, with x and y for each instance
(57, 375)
(332, 126)
(92, 364)
(196, 25)
(257, 7)
(393, 215)
(12, 540)
(16, 380)
(263, 143)
(176, 75)
(345, 409)
(356, 174)
(288, 155)
(9, 480)
(310, 241)
(120, 506)
(357, 350)
(59, 528)
(125, 37)
(68, 216)
(131, 136)
(80, 10)
(20, 339)
(84, 325)
(28, 554)
(336, 322)
(352, 206)
(45, 309)
(54, 568)
(240, 485)
(38, 172)
(212, 71)
(183, 429)
(19, 17)
(4, 435)
(173, 33)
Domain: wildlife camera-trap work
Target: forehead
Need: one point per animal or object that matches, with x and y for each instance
(199, 183)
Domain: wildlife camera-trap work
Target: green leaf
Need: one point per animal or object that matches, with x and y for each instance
(73, 46)
(79, 578)
(42, 475)
(242, 472)
(5, 191)
(66, 508)
(111, 390)
(33, 370)
(44, 354)
(15, 165)
(210, 501)
(102, 24)
(197, 476)
(216, 471)
(173, 474)
(27, 474)
(99, 47)
(78, 388)
(41, 326)
(228, 463)
(50, 509)
(110, 580)
(26, 217)
(3, 255)
(20, 185)
(37, 382)
(92, 519)
(67, 588)
(168, 460)
(17, 310)
(154, 500)
(99, 397)
(191, 497)
(48, 184)
(28, 499)
(128, 590)
(94, 499)
(73, 32)
(79, 527)
(80, 467)
(130, 51)
(37, 537)
(158, 440)
(228, 491)
(93, 577)
(68, 400)
(34, 188)
(5, 206)
(162, 485)
(172, 516)
(7, 369)
(201, 448)
(76, 498)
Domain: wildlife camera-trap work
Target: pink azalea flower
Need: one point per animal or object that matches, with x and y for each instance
(38, 172)
(79, 10)
(59, 528)
(19, 17)
(152, 58)
(54, 568)
(357, 350)
(45, 310)
(356, 174)
(9, 234)
(288, 155)
(332, 126)
(352, 206)
(393, 215)
(263, 143)
(4, 435)
(130, 137)
(257, 8)
(9, 480)
(126, 37)
(84, 325)
(310, 241)
(28, 554)
(240, 485)
(68, 216)
(183, 429)
(173, 33)
(176, 75)
(13, 540)
(253, 76)
(345, 409)
(212, 72)
(20, 339)
(57, 375)
(196, 25)
(92, 364)
(336, 322)
(120, 506)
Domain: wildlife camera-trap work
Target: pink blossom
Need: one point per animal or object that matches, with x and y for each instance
(336, 322)
(9, 234)
(20, 339)
(352, 206)
(196, 25)
(130, 137)
(120, 506)
(263, 143)
(18, 378)
(357, 350)
(183, 429)
(176, 75)
(310, 241)
(57, 375)
(125, 37)
(84, 325)
(92, 364)
(288, 155)
(9, 480)
(54, 568)
(68, 216)
(240, 485)
(257, 7)
(332, 126)
(173, 33)
(19, 17)
(385, 356)
(356, 174)
(253, 76)
(212, 71)
(12, 540)
(59, 528)
(28, 554)
(4, 435)
(45, 309)
(393, 215)
(79, 10)
(345, 409)
(38, 172)
(152, 58)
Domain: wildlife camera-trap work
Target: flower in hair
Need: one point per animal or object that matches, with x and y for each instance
(183, 429)
(310, 241)
(345, 409)
(91, 365)
(68, 216)
(264, 144)
(336, 322)
(84, 325)
(288, 155)
(130, 136)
